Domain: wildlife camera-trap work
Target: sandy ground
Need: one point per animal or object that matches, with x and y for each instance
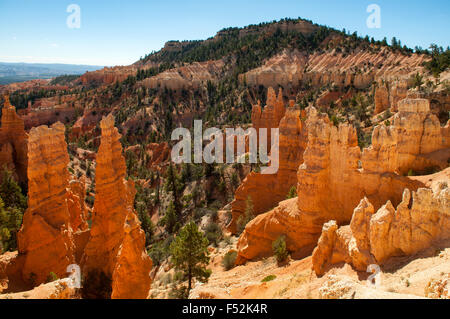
(405, 277)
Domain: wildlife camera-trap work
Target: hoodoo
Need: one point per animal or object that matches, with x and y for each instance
(117, 243)
(45, 239)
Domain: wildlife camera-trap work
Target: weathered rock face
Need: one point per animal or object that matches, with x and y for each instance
(158, 153)
(291, 68)
(271, 115)
(381, 98)
(266, 191)
(13, 142)
(439, 102)
(416, 141)
(77, 207)
(398, 93)
(388, 94)
(192, 76)
(86, 123)
(331, 182)
(423, 217)
(45, 239)
(108, 75)
(117, 242)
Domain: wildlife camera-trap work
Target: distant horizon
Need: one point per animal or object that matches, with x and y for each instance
(113, 33)
(50, 63)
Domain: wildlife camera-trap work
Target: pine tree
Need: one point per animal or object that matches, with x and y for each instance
(170, 219)
(190, 254)
(173, 185)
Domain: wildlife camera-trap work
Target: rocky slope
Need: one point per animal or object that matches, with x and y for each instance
(361, 69)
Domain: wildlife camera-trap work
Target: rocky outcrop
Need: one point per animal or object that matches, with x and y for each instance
(271, 115)
(421, 219)
(59, 289)
(108, 75)
(77, 206)
(381, 98)
(13, 142)
(438, 289)
(45, 240)
(399, 92)
(335, 175)
(117, 243)
(292, 68)
(266, 191)
(416, 141)
(158, 153)
(388, 94)
(192, 76)
(86, 123)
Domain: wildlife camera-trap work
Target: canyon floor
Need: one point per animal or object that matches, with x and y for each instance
(401, 278)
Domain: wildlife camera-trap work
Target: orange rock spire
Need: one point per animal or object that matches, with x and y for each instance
(45, 238)
(117, 243)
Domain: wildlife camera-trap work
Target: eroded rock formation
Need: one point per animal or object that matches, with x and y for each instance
(292, 67)
(421, 219)
(271, 115)
(335, 175)
(381, 98)
(77, 207)
(117, 243)
(416, 141)
(45, 239)
(13, 142)
(266, 191)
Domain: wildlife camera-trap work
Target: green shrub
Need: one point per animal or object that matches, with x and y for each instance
(269, 278)
(279, 249)
(213, 233)
(246, 217)
(292, 192)
(52, 277)
(229, 260)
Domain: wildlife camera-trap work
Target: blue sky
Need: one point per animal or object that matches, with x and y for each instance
(116, 32)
